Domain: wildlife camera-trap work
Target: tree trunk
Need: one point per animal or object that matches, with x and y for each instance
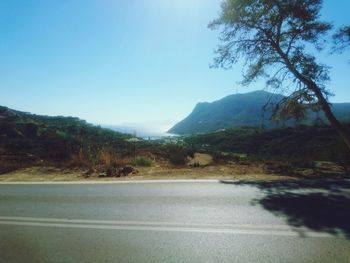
(341, 129)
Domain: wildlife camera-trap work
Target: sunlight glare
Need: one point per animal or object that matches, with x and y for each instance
(179, 5)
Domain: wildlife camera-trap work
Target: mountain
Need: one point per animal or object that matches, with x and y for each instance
(241, 110)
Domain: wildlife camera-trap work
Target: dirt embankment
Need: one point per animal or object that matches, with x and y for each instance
(156, 171)
(200, 166)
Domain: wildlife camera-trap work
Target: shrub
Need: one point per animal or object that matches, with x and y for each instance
(107, 157)
(178, 158)
(78, 160)
(142, 161)
(121, 162)
(191, 151)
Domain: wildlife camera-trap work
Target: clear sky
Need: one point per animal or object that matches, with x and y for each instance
(124, 61)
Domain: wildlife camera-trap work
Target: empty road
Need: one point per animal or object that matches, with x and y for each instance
(182, 221)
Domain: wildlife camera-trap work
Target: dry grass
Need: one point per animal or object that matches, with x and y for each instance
(79, 160)
(7, 165)
(107, 157)
(42, 174)
(160, 170)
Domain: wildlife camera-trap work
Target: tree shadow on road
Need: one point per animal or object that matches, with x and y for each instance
(318, 205)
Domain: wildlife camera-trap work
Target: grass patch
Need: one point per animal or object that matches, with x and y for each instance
(142, 161)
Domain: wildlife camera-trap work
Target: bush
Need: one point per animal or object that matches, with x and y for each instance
(107, 157)
(178, 158)
(142, 161)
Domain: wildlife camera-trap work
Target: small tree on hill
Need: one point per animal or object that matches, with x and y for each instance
(273, 36)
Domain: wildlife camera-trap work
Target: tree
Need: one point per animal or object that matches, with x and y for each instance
(341, 39)
(273, 37)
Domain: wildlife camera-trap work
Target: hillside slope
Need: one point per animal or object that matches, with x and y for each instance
(241, 110)
(299, 143)
(31, 139)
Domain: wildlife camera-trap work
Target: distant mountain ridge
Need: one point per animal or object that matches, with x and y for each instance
(240, 110)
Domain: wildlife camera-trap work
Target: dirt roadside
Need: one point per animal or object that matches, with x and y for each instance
(227, 171)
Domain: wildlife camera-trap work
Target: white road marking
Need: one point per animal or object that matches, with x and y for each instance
(268, 230)
(148, 223)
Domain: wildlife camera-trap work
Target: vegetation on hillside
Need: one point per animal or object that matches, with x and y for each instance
(299, 144)
(27, 139)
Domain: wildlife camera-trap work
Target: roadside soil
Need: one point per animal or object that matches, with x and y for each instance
(157, 171)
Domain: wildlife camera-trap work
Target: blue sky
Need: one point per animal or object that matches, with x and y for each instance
(124, 61)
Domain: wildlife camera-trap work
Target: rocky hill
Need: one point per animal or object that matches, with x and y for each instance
(242, 110)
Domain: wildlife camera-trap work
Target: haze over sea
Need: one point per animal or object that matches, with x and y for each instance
(147, 130)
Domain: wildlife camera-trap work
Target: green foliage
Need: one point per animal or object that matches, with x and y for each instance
(178, 158)
(300, 143)
(55, 139)
(27, 139)
(272, 34)
(174, 153)
(142, 161)
(341, 39)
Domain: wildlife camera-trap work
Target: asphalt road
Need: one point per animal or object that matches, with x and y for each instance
(175, 222)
